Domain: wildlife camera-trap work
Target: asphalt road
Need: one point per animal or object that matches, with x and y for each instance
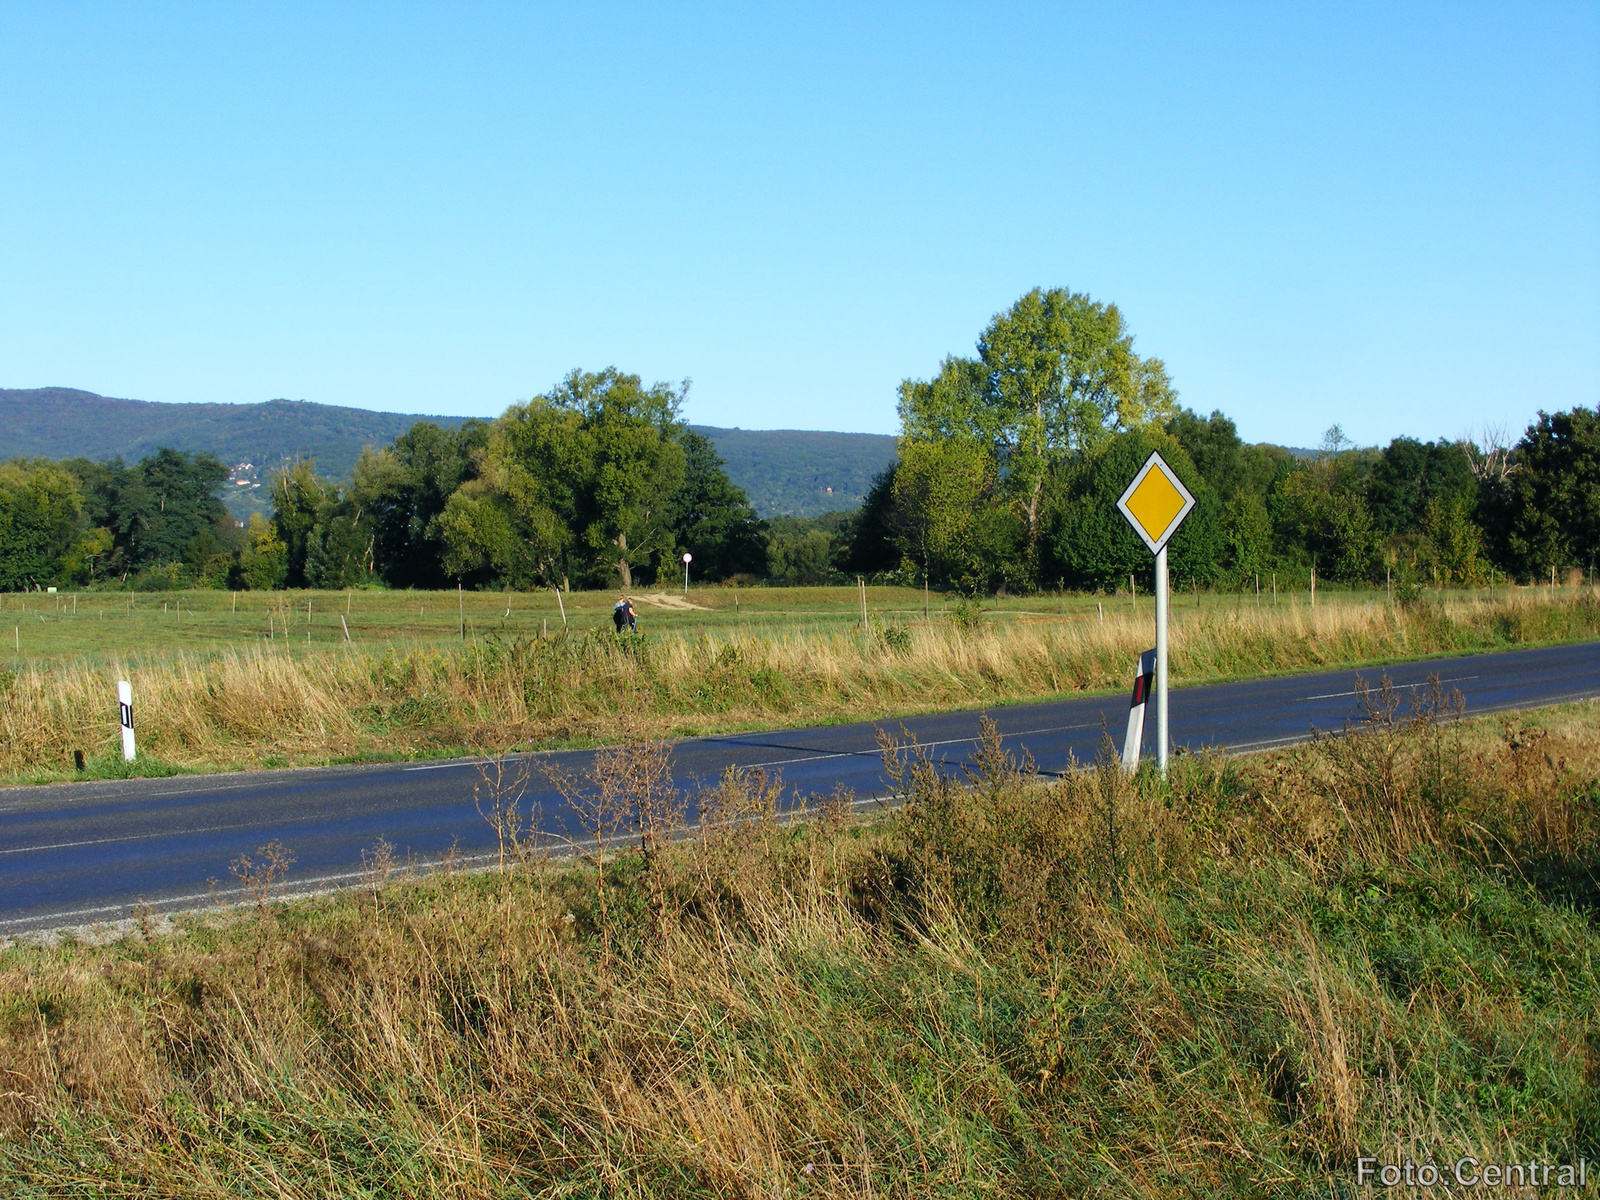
(79, 853)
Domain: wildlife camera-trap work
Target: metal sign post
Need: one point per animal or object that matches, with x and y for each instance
(1155, 504)
(687, 559)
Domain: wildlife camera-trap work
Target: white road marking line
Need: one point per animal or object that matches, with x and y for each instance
(137, 837)
(1424, 683)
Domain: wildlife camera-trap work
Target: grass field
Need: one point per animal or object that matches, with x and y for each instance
(263, 680)
(104, 627)
(1231, 983)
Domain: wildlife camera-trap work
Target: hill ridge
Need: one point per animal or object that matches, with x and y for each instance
(789, 472)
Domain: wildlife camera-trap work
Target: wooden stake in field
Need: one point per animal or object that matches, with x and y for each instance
(862, 584)
(346, 629)
(1101, 609)
(563, 605)
(1313, 587)
(1133, 595)
(1258, 589)
(461, 612)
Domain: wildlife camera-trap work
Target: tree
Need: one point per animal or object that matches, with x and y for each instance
(264, 561)
(1455, 543)
(1323, 521)
(1089, 542)
(1246, 535)
(1546, 512)
(488, 536)
(154, 510)
(40, 510)
(1409, 475)
(799, 552)
(597, 463)
(300, 497)
(1056, 376)
(1213, 444)
(869, 537)
(401, 491)
(712, 517)
(327, 542)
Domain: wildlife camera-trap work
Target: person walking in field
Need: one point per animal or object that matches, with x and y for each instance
(622, 615)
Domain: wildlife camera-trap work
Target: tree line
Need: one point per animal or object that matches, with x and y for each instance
(1010, 464)
(1012, 460)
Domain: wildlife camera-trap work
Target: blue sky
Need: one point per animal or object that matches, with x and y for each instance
(1386, 216)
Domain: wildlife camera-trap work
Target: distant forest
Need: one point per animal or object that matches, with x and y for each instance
(793, 473)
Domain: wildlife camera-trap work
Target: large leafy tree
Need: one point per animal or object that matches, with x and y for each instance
(401, 490)
(586, 481)
(1323, 521)
(1214, 445)
(320, 531)
(40, 510)
(951, 531)
(1055, 377)
(1546, 511)
(870, 535)
(155, 510)
(1409, 475)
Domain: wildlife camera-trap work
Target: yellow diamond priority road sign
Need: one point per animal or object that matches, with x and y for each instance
(1156, 502)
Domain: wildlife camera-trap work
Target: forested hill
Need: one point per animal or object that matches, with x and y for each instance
(67, 423)
(784, 472)
(801, 472)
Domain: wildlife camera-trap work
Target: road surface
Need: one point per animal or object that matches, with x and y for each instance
(80, 853)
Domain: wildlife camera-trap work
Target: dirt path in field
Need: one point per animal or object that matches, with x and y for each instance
(678, 603)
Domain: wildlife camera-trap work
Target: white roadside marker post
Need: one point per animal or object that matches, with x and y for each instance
(125, 716)
(1143, 673)
(1155, 504)
(687, 559)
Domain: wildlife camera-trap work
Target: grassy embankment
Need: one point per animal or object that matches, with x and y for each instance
(1229, 984)
(217, 693)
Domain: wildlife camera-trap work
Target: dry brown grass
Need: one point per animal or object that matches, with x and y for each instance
(260, 707)
(1227, 985)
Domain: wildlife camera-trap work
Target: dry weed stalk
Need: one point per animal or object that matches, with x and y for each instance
(626, 791)
(497, 794)
(259, 875)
